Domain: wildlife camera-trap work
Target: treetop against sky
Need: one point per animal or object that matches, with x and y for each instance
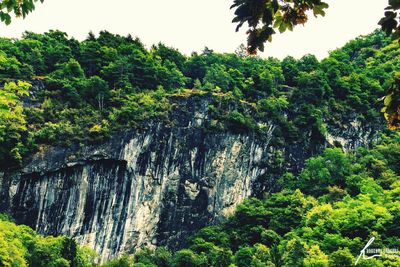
(191, 25)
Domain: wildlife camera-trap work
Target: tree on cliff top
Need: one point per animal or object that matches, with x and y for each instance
(264, 16)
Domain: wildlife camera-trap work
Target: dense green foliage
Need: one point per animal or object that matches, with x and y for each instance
(107, 83)
(324, 217)
(20, 246)
(264, 16)
(12, 122)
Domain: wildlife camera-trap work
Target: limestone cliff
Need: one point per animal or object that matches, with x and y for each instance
(147, 187)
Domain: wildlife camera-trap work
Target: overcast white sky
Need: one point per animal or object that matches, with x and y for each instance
(190, 25)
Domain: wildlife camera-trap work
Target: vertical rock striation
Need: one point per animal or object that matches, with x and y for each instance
(146, 188)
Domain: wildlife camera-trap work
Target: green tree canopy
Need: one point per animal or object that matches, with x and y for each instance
(265, 16)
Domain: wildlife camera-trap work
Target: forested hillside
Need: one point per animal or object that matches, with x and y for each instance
(57, 91)
(103, 84)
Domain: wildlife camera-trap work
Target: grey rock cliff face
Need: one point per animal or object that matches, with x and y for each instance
(139, 189)
(147, 188)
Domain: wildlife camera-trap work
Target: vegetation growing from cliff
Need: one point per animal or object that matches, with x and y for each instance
(324, 217)
(108, 83)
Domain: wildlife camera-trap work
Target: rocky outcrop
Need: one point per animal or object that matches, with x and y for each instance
(353, 134)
